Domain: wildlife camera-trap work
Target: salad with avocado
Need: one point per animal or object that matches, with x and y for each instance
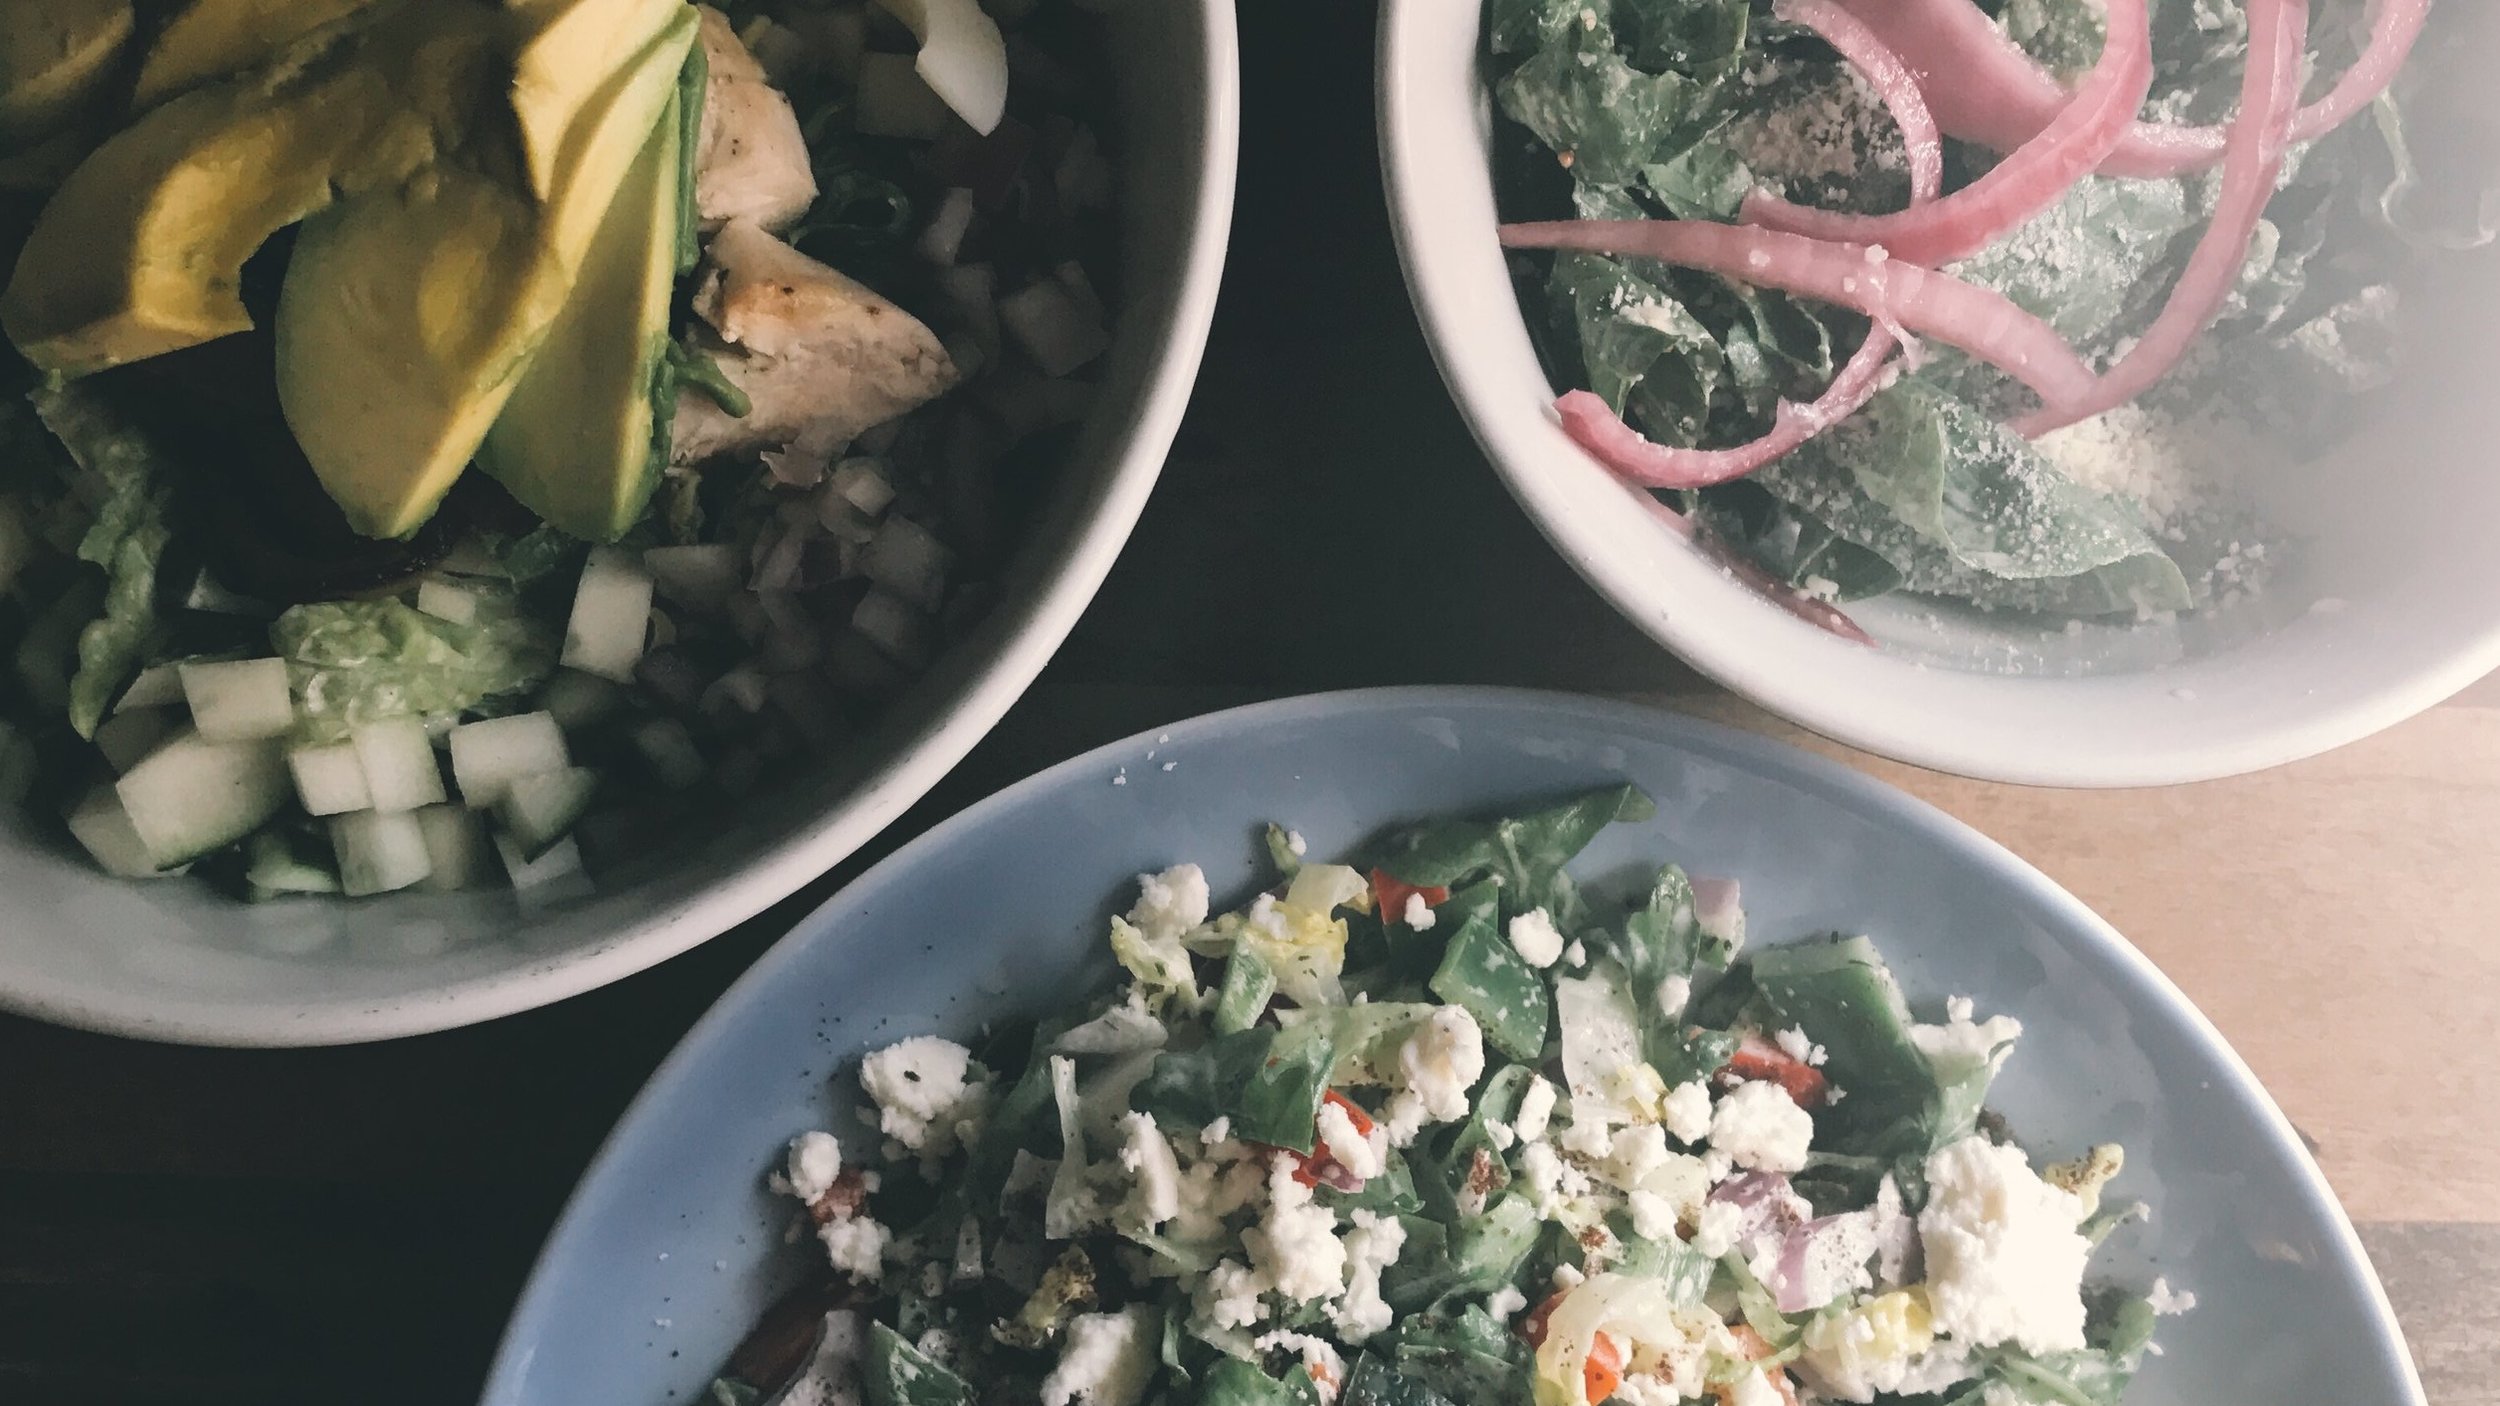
(1443, 1126)
(1993, 302)
(444, 441)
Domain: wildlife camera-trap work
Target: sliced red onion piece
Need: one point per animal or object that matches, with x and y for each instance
(1919, 300)
(1888, 76)
(2278, 40)
(1984, 88)
(2034, 177)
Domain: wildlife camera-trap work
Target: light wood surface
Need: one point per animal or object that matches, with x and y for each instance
(279, 1227)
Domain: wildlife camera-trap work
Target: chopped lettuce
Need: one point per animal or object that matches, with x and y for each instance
(127, 488)
(359, 661)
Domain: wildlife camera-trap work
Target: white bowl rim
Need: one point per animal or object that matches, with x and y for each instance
(1709, 640)
(2127, 965)
(891, 788)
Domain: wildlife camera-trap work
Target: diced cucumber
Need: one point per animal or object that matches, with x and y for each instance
(158, 686)
(550, 878)
(379, 853)
(210, 596)
(102, 824)
(702, 577)
(194, 795)
(455, 837)
(329, 780)
(537, 811)
(445, 601)
(577, 700)
(611, 617)
(470, 557)
(129, 735)
(282, 865)
(245, 700)
(487, 757)
(399, 765)
(908, 560)
(670, 749)
(861, 483)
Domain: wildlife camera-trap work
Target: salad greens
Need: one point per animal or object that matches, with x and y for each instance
(1637, 109)
(1711, 1172)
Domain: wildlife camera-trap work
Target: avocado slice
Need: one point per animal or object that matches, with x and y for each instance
(409, 316)
(213, 39)
(576, 444)
(574, 51)
(140, 251)
(56, 59)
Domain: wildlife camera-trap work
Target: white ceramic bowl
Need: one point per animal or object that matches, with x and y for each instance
(173, 961)
(2387, 606)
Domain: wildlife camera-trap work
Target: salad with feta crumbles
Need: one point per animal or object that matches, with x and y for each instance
(1442, 1126)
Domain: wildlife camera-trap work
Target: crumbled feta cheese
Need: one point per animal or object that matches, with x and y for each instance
(1686, 1112)
(1107, 1359)
(1505, 1303)
(1363, 1155)
(930, 1095)
(1754, 1389)
(1155, 1196)
(1885, 1347)
(1543, 1170)
(1442, 1061)
(1534, 935)
(1295, 842)
(1319, 1357)
(1674, 994)
(1635, 1152)
(1294, 1247)
(1170, 903)
(1536, 1108)
(1419, 914)
(856, 1246)
(1221, 1130)
(1228, 1298)
(1568, 1277)
(1720, 1223)
(1404, 1118)
(2005, 1259)
(2169, 1302)
(1796, 1046)
(1370, 1247)
(1575, 956)
(1652, 1217)
(1586, 1139)
(1502, 1134)
(1960, 1049)
(1762, 1128)
(815, 1160)
(1958, 1009)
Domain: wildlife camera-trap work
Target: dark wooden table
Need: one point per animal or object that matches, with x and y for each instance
(203, 1227)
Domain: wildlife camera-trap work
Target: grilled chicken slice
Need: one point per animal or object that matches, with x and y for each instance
(814, 351)
(751, 161)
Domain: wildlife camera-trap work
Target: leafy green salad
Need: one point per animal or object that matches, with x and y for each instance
(445, 442)
(1990, 301)
(1443, 1127)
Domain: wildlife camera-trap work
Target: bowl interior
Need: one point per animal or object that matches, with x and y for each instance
(2380, 608)
(671, 1245)
(171, 960)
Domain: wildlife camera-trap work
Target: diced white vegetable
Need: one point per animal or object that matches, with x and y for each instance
(127, 737)
(670, 749)
(894, 101)
(971, 294)
(700, 576)
(329, 780)
(906, 559)
(487, 757)
(539, 810)
(243, 701)
(1053, 328)
(399, 765)
(158, 686)
(455, 840)
(611, 618)
(102, 824)
(469, 557)
(738, 693)
(894, 626)
(1072, 276)
(211, 597)
(193, 795)
(862, 482)
(577, 700)
(550, 878)
(445, 601)
(380, 853)
(966, 351)
(963, 57)
(277, 867)
(943, 238)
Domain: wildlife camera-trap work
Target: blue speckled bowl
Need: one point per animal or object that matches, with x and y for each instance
(671, 1246)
